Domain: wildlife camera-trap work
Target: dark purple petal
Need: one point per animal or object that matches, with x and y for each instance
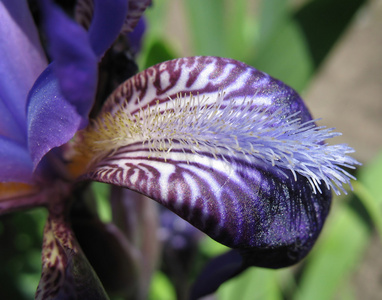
(108, 18)
(21, 61)
(52, 120)
(237, 158)
(15, 162)
(135, 37)
(136, 9)
(216, 272)
(75, 63)
(84, 13)
(66, 273)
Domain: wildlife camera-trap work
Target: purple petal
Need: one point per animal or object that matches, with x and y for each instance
(52, 120)
(106, 24)
(66, 273)
(22, 60)
(75, 64)
(135, 37)
(238, 158)
(15, 162)
(216, 272)
(136, 9)
(84, 13)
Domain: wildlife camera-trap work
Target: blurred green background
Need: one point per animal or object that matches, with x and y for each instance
(328, 50)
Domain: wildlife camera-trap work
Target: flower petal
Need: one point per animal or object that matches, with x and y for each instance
(108, 18)
(240, 204)
(52, 120)
(15, 162)
(16, 196)
(66, 273)
(21, 61)
(84, 13)
(75, 64)
(136, 9)
(216, 272)
(239, 158)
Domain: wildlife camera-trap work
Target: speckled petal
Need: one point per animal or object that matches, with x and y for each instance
(75, 63)
(52, 120)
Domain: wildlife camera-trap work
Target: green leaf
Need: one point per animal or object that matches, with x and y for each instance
(161, 288)
(285, 56)
(206, 19)
(368, 189)
(255, 283)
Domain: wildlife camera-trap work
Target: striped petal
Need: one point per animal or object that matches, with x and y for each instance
(225, 146)
(85, 8)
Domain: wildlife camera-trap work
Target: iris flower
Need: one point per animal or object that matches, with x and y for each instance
(228, 148)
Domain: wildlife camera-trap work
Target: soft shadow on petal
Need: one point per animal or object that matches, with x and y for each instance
(21, 61)
(52, 120)
(15, 196)
(15, 162)
(66, 273)
(75, 63)
(137, 217)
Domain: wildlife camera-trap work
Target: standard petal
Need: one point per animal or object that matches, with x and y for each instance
(52, 120)
(84, 13)
(75, 64)
(226, 147)
(108, 18)
(136, 9)
(21, 61)
(15, 162)
(66, 273)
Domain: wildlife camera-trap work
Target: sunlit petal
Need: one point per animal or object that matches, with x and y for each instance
(228, 148)
(52, 120)
(21, 61)
(75, 64)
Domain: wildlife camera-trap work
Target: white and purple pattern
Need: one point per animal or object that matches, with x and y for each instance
(250, 196)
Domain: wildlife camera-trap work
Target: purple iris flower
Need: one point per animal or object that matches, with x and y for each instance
(226, 147)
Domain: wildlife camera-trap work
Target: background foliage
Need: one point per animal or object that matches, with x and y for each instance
(289, 40)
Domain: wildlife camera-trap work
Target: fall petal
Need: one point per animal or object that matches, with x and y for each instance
(226, 147)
